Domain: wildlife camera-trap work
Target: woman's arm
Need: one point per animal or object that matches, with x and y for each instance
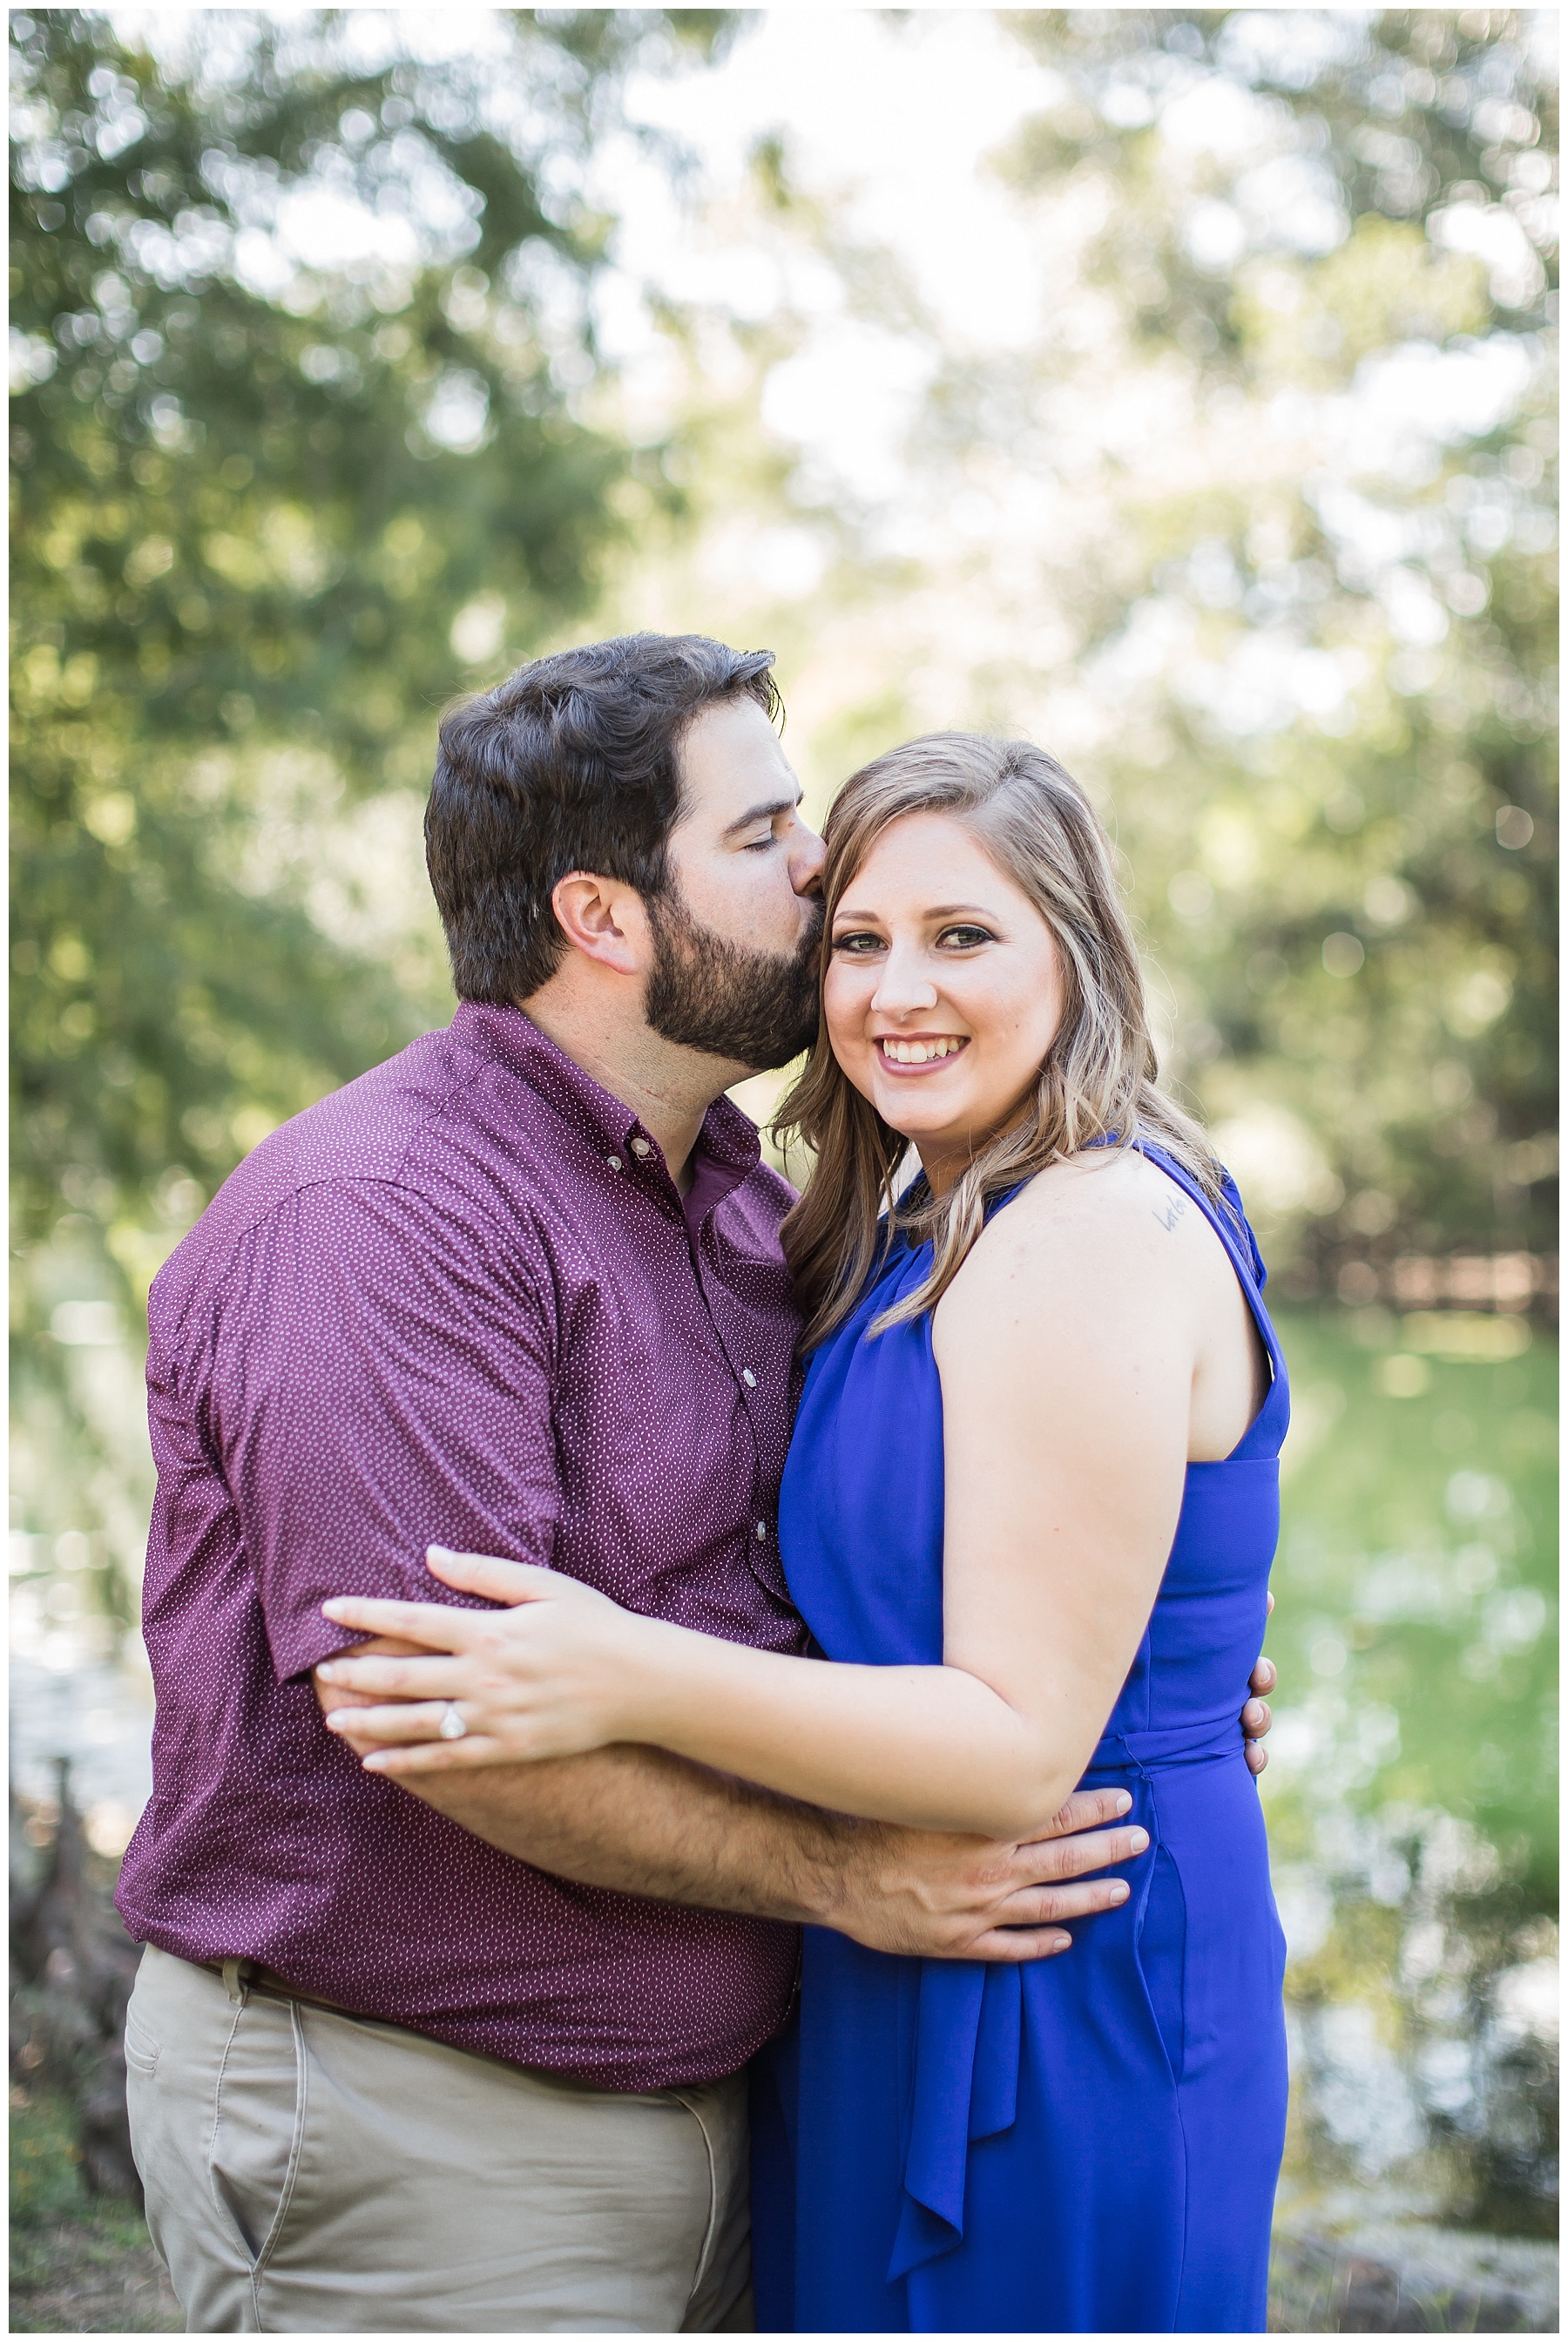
(1067, 1350)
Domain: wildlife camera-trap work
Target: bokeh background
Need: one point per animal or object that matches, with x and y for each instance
(1174, 386)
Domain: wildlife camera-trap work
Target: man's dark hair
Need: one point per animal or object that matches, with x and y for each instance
(569, 764)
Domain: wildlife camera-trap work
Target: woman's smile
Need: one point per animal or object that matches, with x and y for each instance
(918, 1052)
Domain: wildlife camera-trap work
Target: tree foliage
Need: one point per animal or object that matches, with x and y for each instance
(1326, 635)
(266, 505)
(311, 426)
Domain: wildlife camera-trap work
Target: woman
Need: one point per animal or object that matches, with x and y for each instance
(1029, 1514)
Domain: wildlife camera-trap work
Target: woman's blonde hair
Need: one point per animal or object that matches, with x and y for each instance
(1098, 1080)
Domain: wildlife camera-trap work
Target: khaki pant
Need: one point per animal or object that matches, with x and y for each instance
(312, 2173)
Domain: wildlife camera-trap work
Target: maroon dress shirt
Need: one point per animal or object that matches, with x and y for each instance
(459, 1302)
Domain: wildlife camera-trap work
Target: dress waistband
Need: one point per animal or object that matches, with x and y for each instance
(1200, 1742)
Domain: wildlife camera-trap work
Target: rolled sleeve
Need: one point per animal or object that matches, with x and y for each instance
(381, 1381)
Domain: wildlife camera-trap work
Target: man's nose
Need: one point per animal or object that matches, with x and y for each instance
(806, 860)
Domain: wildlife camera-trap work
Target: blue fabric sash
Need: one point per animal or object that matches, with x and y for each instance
(969, 2028)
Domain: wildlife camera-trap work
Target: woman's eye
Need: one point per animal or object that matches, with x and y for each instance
(760, 845)
(857, 944)
(965, 938)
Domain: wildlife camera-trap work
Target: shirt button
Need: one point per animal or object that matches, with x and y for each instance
(642, 1146)
(762, 1532)
(613, 1161)
(749, 1379)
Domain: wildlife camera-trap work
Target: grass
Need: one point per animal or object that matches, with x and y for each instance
(1416, 1582)
(80, 2263)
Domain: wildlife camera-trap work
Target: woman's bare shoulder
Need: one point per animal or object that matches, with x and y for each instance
(1110, 1189)
(1101, 1221)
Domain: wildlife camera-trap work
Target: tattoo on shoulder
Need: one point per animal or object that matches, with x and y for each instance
(1173, 1211)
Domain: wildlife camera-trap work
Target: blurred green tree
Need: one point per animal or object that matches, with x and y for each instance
(299, 328)
(1339, 805)
(263, 512)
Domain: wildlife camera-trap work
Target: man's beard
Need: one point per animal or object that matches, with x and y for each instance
(758, 1009)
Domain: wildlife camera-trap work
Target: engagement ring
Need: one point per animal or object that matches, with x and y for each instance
(452, 1725)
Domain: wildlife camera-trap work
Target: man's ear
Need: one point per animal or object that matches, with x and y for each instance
(602, 919)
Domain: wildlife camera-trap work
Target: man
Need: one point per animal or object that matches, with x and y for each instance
(475, 2062)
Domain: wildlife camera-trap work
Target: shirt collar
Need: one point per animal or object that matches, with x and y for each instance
(727, 1151)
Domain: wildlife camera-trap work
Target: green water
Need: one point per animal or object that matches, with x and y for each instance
(1416, 1581)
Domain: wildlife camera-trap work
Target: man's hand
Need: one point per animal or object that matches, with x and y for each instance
(938, 1897)
(1256, 1716)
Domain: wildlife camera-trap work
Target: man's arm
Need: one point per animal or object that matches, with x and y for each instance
(644, 1822)
(647, 1823)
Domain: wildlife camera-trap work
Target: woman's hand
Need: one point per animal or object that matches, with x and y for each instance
(554, 1674)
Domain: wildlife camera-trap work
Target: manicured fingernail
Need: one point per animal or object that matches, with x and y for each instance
(1119, 1892)
(1123, 1802)
(1138, 1840)
(327, 1672)
(338, 1720)
(331, 1610)
(439, 1553)
(1061, 1943)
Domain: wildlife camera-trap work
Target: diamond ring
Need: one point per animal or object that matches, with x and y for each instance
(452, 1725)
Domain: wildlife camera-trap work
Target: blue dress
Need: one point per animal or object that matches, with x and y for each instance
(1088, 2144)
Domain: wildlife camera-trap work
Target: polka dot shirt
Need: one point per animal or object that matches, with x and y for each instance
(459, 1302)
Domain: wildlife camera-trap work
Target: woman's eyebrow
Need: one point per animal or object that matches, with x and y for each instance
(936, 911)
